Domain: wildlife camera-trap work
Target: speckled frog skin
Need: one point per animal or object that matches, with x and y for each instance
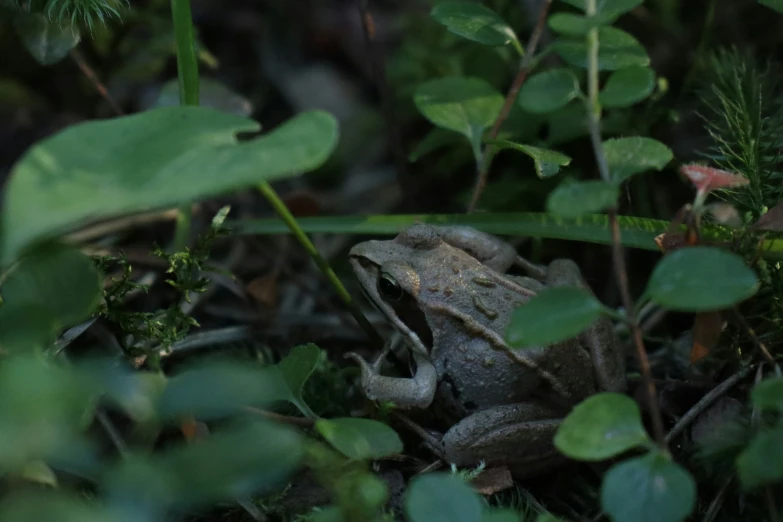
(446, 290)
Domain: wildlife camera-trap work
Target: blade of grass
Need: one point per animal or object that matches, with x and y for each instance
(291, 224)
(187, 75)
(637, 232)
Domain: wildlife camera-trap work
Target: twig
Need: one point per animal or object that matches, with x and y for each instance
(287, 419)
(771, 505)
(717, 502)
(210, 337)
(384, 92)
(77, 57)
(753, 336)
(97, 230)
(706, 401)
(511, 96)
(618, 257)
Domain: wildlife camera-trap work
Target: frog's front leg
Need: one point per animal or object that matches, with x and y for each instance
(516, 435)
(599, 339)
(416, 392)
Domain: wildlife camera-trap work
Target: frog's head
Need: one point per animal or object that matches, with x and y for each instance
(392, 284)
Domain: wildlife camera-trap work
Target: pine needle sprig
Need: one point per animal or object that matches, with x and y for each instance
(744, 117)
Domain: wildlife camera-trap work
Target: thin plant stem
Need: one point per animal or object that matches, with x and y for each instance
(289, 219)
(187, 74)
(618, 255)
(524, 70)
(89, 73)
(375, 56)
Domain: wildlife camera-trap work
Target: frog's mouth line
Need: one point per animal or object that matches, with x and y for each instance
(419, 338)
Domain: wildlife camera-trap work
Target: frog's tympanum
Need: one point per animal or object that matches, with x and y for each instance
(446, 290)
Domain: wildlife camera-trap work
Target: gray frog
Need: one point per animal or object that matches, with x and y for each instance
(446, 290)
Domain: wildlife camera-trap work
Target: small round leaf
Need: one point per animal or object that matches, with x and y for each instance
(570, 24)
(464, 105)
(609, 9)
(629, 156)
(555, 314)
(573, 199)
(441, 497)
(701, 279)
(768, 394)
(547, 162)
(761, 462)
(549, 91)
(651, 488)
(777, 5)
(474, 22)
(617, 49)
(601, 427)
(627, 86)
(360, 439)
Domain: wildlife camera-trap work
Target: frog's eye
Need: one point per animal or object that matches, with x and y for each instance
(389, 288)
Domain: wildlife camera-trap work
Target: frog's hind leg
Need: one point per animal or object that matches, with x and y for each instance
(517, 435)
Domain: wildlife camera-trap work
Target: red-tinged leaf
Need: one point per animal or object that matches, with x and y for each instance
(263, 289)
(492, 480)
(303, 204)
(706, 179)
(707, 328)
(772, 220)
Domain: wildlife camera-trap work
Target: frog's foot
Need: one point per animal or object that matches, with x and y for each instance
(417, 392)
(519, 436)
(370, 369)
(538, 272)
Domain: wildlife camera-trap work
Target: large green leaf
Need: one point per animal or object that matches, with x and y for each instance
(360, 439)
(600, 427)
(465, 105)
(629, 156)
(555, 314)
(617, 49)
(232, 463)
(651, 488)
(475, 22)
(701, 278)
(627, 86)
(53, 506)
(52, 287)
(549, 91)
(159, 158)
(216, 390)
(441, 497)
(44, 412)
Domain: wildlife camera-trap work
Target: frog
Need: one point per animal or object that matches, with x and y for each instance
(448, 291)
